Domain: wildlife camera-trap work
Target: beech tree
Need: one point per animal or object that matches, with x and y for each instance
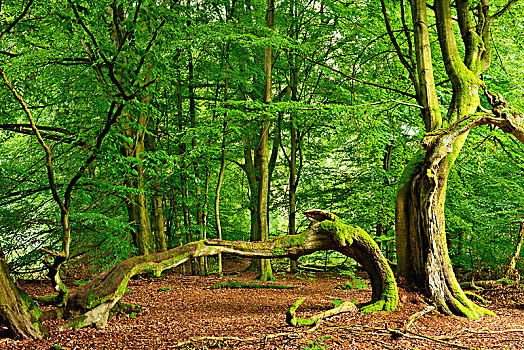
(422, 253)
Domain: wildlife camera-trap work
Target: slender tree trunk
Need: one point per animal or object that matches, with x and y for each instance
(157, 217)
(381, 228)
(217, 191)
(512, 272)
(196, 168)
(158, 221)
(221, 174)
(204, 260)
(262, 152)
(293, 180)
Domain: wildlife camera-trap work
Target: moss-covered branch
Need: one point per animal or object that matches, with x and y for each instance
(292, 320)
(90, 303)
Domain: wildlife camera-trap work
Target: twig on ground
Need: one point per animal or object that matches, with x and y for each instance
(413, 318)
(218, 339)
(496, 332)
(238, 339)
(422, 336)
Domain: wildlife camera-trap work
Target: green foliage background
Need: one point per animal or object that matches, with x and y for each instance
(345, 133)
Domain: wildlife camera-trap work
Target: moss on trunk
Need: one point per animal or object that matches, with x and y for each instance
(18, 312)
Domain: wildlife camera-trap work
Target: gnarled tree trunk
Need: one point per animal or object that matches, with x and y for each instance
(421, 242)
(422, 251)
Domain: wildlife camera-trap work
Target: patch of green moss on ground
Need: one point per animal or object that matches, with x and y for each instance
(125, 309)
(77, 322)
(238, 284)
(47, 298)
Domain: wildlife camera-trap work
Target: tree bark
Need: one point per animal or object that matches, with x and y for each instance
(219, 186)
(157, 217)
(13, 313)
(262, 152)
(420, 210)
(422, 251)
(512, 272)
(293, 178)
(90, 304)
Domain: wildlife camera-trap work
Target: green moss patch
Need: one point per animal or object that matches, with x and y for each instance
(238, 284)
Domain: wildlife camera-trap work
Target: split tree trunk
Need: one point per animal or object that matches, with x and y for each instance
(90, 304)
(422, 251)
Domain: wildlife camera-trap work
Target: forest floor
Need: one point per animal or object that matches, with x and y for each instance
(186, 312)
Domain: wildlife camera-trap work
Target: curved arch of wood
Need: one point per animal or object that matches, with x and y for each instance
(90, 303)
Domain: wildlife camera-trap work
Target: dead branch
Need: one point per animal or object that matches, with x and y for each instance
(90, 303)
(292, 320)
(413, 318)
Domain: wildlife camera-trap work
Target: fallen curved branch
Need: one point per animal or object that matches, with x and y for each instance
(90, 303)
(292, 320)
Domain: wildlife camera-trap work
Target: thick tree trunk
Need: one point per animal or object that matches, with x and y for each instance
(90, 303)
(137, 205)
(422, 250)
(13, 313)
(158, 221)
(138, 212)
(421, 241)
(262, 152)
